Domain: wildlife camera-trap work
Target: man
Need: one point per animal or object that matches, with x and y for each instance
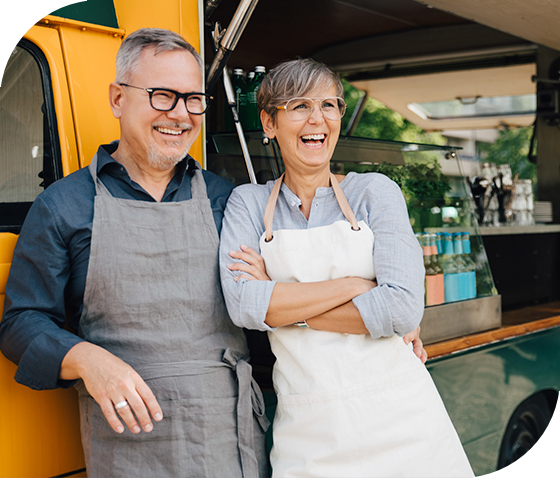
(129, 247)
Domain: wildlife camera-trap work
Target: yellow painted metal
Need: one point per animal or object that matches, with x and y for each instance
(52, 20)
(39, 431)
(7, 244)
(89, 57)
(181, 16)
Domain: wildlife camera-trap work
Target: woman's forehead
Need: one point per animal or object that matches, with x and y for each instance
(321, 91)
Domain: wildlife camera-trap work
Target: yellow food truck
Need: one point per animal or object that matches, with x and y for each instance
(493, 356)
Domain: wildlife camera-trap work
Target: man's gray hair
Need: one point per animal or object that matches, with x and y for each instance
(134, 44)
(295, 78)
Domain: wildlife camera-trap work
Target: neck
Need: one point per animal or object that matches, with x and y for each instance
(304, 186)
(153, 180)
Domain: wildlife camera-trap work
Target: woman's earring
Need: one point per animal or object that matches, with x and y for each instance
(265, 140)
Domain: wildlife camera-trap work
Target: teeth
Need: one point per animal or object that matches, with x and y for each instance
(168, 131)
(313, 137)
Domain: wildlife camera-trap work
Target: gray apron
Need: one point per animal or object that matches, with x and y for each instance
(153, 298)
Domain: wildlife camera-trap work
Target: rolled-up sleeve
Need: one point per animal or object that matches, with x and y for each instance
(247, 301)
(397, 304)
(31, 331)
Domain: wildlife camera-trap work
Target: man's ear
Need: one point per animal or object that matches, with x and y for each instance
(267, 124)
(116, 99)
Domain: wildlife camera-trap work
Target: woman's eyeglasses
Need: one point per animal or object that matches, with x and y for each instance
(299, 109)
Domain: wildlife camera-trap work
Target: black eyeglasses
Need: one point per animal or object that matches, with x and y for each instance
(163, 99)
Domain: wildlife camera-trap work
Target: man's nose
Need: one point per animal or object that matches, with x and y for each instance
(180, 110)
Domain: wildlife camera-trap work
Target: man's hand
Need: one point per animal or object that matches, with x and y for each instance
(417, 344)
(110, 381)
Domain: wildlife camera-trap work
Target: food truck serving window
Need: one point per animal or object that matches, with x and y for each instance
(476, 107)
(27, 142)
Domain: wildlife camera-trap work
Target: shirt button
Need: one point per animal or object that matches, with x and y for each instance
(293, 204)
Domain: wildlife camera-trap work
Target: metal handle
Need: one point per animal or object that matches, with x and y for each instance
(228, 41)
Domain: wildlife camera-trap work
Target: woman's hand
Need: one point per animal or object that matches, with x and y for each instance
(417, 344)
(253, 264)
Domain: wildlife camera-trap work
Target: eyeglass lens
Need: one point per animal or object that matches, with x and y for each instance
(164, 100)
(299, 109)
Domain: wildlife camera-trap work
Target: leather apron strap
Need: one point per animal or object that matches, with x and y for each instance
(340, 197)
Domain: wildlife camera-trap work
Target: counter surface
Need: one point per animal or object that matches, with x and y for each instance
(514, 324)
(509, 230)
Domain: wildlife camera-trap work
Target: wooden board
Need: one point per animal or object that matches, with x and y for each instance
(515, 323)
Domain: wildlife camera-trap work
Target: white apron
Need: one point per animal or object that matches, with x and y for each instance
(349, 405)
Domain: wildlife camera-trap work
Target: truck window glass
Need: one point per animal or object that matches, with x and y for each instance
(27, 157)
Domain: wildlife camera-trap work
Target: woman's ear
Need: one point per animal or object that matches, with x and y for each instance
(267, 124)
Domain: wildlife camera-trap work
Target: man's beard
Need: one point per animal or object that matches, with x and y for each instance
(162, 162)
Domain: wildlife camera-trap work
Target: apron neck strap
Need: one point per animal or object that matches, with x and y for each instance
(198, 185)
(339, 194)
(343, 203)
(99, 186)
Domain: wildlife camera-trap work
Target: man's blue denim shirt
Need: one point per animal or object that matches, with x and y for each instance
(48, 275)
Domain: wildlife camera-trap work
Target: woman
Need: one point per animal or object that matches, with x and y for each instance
(342, 264)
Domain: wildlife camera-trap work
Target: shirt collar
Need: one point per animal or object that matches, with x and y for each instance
(109, 165)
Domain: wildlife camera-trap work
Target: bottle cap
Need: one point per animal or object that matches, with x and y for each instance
(237, 71)
(260, 69)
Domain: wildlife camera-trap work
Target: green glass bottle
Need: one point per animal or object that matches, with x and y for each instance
(243, 110)
(253, 118)
(238, 85)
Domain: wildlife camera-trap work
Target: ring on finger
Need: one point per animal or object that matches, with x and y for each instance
(120, 405)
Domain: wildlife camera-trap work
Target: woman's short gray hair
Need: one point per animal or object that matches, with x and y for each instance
(134, 44)
(293, 79)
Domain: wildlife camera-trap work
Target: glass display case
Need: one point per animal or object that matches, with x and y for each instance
(460, 294)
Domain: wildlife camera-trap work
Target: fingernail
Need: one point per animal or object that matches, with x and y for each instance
(148, 427)
(136, 429)
(120, 429)
(158, 416)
